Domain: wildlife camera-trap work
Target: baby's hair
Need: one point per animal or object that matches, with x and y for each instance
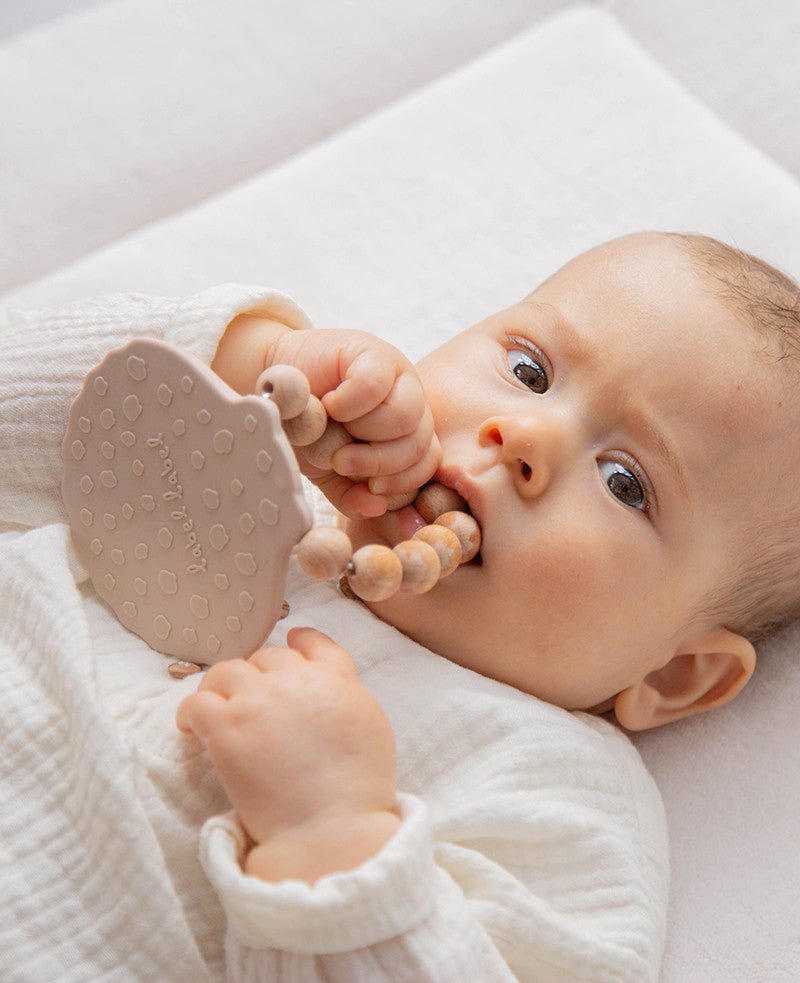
(763, 594)
(763, 295)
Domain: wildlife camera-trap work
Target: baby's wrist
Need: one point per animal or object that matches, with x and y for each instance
(326, 845)
(245, 348)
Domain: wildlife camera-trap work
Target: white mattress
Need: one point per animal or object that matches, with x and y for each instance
(454, 202)
(130, 110)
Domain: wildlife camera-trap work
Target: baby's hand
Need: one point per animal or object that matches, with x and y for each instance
(372, 388)
(304, 753)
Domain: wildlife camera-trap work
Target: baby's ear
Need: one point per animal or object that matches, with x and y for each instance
(706, 673)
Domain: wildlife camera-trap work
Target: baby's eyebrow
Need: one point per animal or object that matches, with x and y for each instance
(667, 456)
(573, 342)
(578, 346)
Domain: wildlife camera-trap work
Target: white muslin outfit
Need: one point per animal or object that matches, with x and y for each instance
(533, 842)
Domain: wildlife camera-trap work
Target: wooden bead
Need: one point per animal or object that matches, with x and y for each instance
(287, 386)
(324, 552)
(320, 453)
(467, 530)
(446, 544)
(421, 567)
(375, 573)
(435, 499)
(308, 426)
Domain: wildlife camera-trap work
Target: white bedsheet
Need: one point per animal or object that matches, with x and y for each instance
(456, 201)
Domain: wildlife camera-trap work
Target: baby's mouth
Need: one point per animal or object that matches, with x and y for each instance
(438, 498)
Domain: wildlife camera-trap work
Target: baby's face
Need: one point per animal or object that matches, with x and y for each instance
(616, 436)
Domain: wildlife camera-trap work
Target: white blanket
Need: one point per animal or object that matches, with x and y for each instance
(455, 202)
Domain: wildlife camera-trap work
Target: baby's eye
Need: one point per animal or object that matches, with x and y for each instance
(528, 370)
(623, 484)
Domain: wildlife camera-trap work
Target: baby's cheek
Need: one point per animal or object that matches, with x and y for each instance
(582, 579)
(572, 560)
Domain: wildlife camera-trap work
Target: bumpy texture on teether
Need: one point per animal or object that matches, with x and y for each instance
(185, 502)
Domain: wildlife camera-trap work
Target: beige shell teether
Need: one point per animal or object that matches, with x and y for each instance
(185, 502)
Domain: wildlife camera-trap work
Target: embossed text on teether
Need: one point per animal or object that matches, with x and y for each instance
(168, 470)
(174, 493)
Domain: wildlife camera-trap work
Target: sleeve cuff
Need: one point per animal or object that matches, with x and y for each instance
(385, 896)
(199, 321)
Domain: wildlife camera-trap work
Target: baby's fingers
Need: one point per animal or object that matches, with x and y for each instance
(227, 678)
(368, 381)
(200, 713)
(387, 457)
(318, 647)
(398, 415)
(353, 499)
(413, 477)
(275, 657)
(203, 711)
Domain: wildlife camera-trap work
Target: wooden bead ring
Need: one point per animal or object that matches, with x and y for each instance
(374, 573)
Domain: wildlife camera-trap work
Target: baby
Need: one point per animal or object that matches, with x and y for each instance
(435, 793)
(611, 433)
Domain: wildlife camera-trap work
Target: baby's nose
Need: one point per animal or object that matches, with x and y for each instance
(528, 450)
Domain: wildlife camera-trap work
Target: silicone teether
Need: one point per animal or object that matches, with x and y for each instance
(185, 502)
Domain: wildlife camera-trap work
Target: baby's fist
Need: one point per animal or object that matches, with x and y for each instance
(299, 745)
(373, 391)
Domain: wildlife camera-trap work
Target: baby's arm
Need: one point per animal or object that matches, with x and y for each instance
(364, 383)
(307, 758)
(525, 863)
